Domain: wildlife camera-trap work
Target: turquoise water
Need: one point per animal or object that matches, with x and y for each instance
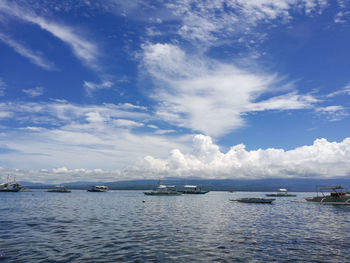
(119, 227)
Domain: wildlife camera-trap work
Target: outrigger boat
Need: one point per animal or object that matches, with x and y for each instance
(163, 190)
(254, 200)
(336, 196)
(59, 189)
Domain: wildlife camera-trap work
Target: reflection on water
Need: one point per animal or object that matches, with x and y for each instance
(118, 226)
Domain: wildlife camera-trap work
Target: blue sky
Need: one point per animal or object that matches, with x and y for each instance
(110, 90)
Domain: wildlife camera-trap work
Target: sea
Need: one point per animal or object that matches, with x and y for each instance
(127, 226)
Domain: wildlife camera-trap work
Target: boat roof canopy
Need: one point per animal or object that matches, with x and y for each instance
(190, 186)
(283, 190)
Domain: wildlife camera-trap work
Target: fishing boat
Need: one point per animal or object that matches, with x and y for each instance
(330, 195)
(10, 186)
(59, 189)
(254, 200)
(191, 189)
(163, 190)
(281, 193)
(98, 188)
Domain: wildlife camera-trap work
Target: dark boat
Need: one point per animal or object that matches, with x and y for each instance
(98, 188)
(59, 189)
(254, 200)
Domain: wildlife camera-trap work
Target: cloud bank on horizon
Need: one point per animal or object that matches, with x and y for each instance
(132, 89)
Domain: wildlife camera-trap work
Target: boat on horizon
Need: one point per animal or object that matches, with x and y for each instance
(163, 190)
(337, 196)
(281, 193)
(98, 188)
(59, 189)
(254, 200)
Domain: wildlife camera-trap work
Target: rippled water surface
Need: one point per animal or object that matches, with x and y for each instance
(117, 226)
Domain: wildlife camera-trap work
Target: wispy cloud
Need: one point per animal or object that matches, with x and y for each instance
(85, 50)
(35, 57)
(2, 87)
(208, 96)
(90, 87)
(36, 92)
(343, 91)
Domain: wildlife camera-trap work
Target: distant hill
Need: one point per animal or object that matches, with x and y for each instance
(263, 185)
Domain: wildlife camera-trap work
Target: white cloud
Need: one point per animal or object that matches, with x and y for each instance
(322, 159)
(84, 49)
(91, 86)
(36, 92)
(65, 135)
(127, 123)
(213, 20)
(345, 90)
(35, 57)
(2, 87)
(208, 96)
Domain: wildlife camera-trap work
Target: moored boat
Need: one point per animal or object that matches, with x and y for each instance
(59, 189)
(12, 186)
(281, 193)
(330, 195)
(254, 200)
(191, 189)
(98, 188)
(163, 190)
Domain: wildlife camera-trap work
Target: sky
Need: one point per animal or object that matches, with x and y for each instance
(116, 90)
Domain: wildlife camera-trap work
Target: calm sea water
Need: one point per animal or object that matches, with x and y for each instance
(118, 227)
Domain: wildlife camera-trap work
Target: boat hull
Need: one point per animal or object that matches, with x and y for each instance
(255, 200)
(280, 195)
(164, 193)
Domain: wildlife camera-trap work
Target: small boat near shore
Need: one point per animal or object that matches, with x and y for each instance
(281, 193)
(163, 190)
(59, 189)
(330, 195)
(254, 200)
(98, 188)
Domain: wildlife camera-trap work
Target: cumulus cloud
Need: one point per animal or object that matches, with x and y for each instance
(321, 159)
(205, 95)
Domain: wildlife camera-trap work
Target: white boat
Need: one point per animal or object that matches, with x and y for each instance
(163, 190)
(98, 188)
(330, 195)
(281, 193)
(12, 186)
(59, 189)
(254, 200)
(191, 189)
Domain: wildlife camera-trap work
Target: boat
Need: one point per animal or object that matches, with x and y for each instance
(281, 193)
(191, 189)
(330, 195)
(163, 190)
(254, 200)
(10, 186)
(98, 188)
(59, 189)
